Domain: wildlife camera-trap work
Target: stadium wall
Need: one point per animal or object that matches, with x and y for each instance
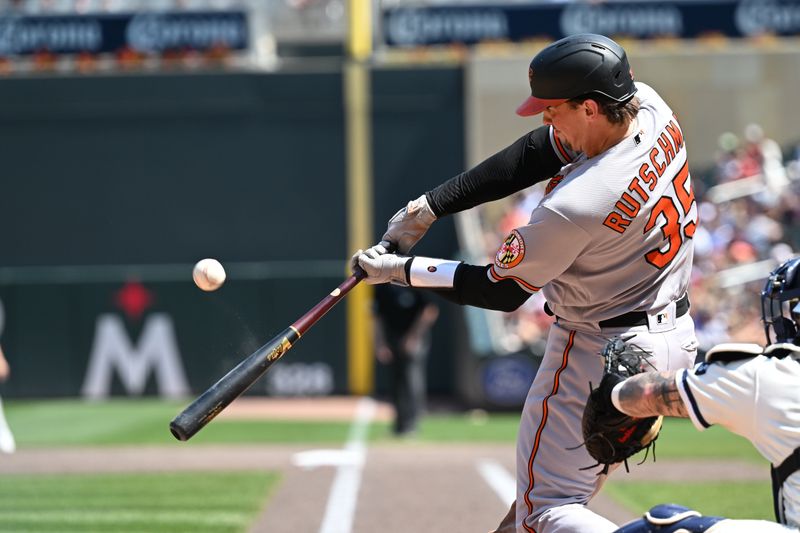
(114, 186)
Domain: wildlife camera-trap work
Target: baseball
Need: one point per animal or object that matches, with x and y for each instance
(208, 274)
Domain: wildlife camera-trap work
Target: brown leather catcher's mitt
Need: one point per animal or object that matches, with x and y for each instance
(611, 436)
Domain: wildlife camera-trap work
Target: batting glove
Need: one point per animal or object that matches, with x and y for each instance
(383, 267)
(379, 249)
(410, 224)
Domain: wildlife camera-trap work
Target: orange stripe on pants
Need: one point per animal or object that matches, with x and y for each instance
(542, 423)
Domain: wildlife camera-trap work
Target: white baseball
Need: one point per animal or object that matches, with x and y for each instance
(208, 274)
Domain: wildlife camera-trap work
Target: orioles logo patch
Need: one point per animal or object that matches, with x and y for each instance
(511, 251)
(552, 184)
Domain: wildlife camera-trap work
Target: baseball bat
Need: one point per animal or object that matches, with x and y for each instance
(209, 404)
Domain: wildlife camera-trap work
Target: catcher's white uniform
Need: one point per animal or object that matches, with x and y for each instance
(756, 397)
(610, 246)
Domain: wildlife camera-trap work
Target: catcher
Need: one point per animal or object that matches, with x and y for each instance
(750, 390)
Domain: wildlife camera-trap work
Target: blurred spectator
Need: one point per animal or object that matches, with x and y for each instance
(727, 162)
(769, 156)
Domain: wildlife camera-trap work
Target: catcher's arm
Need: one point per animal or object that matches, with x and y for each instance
(649, 394)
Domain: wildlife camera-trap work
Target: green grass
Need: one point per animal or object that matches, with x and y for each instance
(751, 500)
(125, 422)
(470, 427)
(144, 421)
(680, 440)
(164, 502)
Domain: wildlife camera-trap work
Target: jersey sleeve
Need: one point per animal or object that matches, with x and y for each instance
(534, 254)
(713, 392)
(532, 158)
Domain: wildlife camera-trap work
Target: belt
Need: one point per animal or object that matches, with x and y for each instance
(635, 318)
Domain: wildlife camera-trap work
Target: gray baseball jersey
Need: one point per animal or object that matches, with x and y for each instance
(612, 235)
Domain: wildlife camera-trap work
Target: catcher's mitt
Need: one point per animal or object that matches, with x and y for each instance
(610, 436)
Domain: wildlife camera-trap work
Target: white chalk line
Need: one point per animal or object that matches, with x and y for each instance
(499, 480)
(343, 496)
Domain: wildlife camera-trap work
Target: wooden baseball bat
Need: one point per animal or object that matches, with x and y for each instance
(209, 404)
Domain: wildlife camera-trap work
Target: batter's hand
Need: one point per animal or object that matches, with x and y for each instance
(381, 248)
(409, 224)
(383, 267)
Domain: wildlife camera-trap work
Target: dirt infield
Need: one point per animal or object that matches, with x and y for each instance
(404, 486)
(329, 408)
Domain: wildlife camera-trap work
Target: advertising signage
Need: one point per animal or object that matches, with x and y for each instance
(474, 23)
(144, 32)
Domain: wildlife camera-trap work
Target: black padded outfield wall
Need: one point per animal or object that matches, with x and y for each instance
(418, 142)
(113, 187)
(165, 169)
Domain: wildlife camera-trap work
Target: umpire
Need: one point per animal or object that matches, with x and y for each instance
(403, 340)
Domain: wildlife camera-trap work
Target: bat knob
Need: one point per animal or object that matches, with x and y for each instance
(359, 273)
(177, 431)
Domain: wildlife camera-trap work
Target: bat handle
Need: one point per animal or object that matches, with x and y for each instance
(359, 273)
(302, 324)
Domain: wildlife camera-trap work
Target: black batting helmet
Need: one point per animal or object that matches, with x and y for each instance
(780, 302)
(585, 64)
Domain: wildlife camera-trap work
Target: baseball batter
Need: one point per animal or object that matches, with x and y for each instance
(610, 247)
(750, 391)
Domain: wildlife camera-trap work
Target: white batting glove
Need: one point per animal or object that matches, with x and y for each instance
(408, 225)
(383, 267)
(379, 249)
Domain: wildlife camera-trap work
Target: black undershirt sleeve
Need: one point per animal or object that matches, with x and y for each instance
(530, 159)
(472, 286)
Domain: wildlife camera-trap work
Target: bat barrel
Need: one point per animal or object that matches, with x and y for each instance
(209, 404)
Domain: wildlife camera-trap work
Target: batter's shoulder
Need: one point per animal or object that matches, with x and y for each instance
(650, 99)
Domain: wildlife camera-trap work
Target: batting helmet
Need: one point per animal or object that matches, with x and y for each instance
(579, 65)
(780, 302)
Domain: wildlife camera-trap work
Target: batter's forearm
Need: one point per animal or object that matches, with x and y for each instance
(650, 394)
(472, 286)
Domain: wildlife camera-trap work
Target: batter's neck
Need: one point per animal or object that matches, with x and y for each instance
(611, 137)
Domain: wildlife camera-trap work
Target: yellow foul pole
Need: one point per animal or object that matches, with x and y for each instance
(358, 142)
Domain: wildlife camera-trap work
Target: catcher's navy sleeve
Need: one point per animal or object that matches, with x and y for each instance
(532, 158)
(471, 286)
